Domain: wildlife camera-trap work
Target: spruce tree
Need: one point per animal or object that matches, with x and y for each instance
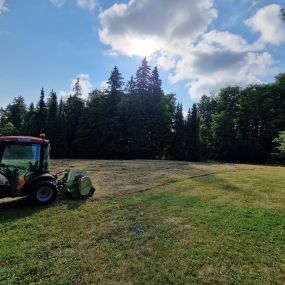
(61, 131)
(15, 112)
(41, 115)
(74, 109)
(112, 128)
(178, 140)
(52, 123)
(29, 127)
(77, 89)
(143, 75)
(193, 135)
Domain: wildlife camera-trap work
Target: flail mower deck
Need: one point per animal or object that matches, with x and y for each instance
(24, 171)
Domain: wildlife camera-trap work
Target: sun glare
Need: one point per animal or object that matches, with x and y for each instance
(143, 47)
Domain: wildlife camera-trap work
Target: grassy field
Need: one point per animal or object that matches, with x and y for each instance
(152, 222)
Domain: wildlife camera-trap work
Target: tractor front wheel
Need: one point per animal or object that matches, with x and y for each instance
(44, 192)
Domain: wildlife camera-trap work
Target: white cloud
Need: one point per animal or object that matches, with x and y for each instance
(3, 6)
(90, 5)
(85, 83)
(220, 59)
(57, 3)
(103, 85)
(143, 27)
(268, 23)
(206, 60)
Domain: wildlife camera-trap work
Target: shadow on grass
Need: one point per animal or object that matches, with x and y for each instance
(225, 185)
(18, 208)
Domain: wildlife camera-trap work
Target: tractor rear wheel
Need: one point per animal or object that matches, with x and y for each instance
(44, 192)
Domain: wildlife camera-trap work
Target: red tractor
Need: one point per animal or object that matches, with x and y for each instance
(24, 171)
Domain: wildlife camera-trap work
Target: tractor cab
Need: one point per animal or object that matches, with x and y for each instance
(24, 171)
(24, 166)
(25, 153)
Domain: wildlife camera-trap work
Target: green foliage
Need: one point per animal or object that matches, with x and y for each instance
(138, 120)
(77, 89)
(15, 112)
(280, 141)
(29, 127)
(178, 143)
(207, 108)
(8, 129)
(193, 145)
(41, 115)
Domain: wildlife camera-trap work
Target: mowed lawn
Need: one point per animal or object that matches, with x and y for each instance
(224, 225)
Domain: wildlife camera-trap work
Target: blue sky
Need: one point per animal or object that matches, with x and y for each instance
(199, 46)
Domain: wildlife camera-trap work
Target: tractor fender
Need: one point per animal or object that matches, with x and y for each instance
(42, 177)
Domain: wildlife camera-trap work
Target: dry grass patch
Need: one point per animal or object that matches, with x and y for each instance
(117, 177)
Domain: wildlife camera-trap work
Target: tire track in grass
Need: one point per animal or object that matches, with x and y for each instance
(130, 192)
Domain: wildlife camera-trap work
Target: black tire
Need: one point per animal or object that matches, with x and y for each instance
(44, 192)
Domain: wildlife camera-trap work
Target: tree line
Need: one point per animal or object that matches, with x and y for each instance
(137, 119)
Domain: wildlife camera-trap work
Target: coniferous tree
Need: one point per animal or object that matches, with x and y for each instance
(141, 122)
(41, 115)
(29, 127)
(142, 136)
(77, 89)
(207, 108)
(52, 123)
(178, 142)
(3, 117)
(159, 123)
(112, 128)
(131, 85)
(61, 132)
(74, 109)
(143, 75)
(15, 112)
(193, 135)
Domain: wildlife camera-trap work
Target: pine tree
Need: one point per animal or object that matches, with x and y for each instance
(41, 115)
(77, 89)
(141, 131)
(193, 135)
(178, 141)
(3, 117)
(61, 131)
(155, 84)
(112, 128)
(131, 85)
(115, 81)
(29, 127)
(15, 112)
(52, 123)
(207, 108)
(74, 109)
(143, 77)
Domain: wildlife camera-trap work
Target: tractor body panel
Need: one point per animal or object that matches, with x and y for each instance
(24, 171)
(28, 187)
(5, 188)
(24, 161)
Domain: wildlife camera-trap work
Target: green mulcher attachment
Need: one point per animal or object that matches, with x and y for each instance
(76, 184)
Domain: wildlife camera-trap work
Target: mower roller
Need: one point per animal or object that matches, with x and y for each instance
(24, 171)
